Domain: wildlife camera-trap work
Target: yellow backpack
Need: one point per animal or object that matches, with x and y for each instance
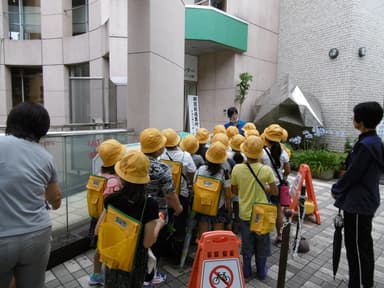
(263, 218)
(207, 191)
(118, 239)
(95, 200)
(176, 170)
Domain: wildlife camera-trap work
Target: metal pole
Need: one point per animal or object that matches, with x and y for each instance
(300, 215)
(284, 248)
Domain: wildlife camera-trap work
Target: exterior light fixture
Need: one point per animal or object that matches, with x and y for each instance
(333, 53)
(362, 51)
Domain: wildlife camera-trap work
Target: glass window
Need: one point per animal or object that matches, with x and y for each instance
(86, 95)
(79, 16)
(79, 70)
(24, 19)
(27, 85)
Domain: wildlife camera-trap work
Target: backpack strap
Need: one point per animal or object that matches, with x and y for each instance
(257, 179)
(274, 165)
(142, 211)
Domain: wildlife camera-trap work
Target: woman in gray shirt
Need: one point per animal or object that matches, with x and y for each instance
(28, 178)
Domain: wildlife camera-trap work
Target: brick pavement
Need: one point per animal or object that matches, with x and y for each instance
(311, 270)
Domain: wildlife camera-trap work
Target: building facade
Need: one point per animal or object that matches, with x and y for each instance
(309, 30)
(119, 61)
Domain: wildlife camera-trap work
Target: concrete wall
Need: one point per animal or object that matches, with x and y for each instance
(219, 72)
(58, 48)
(308, 30)
(155, 64)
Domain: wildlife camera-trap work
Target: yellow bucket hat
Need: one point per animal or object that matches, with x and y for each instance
(133, 167)
(216, 153)
(221, 137)
(111, 151)
(202, 135)
(189, 144)
(236, 142)
(152, 140)
(252, 132)
(172, 137)
(232, 131)
(273, 132)
(220, 128)
(252, 147)
(249, 126)
(285, 135)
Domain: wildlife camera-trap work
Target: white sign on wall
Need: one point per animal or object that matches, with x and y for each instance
(194, 116)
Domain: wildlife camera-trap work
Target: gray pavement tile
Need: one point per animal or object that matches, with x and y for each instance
(79, 274)
(65, 278)
(49, 276)
(72, 265)
(53, 284)
(84, 261)
(59, 270)
(83, 281)
(72, 284)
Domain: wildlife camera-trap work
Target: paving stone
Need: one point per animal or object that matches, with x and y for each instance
(72, 284)
(72, 265)
(49, 276)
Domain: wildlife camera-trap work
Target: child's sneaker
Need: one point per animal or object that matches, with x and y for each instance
(148, 285)
(159, 277)
(96, 279)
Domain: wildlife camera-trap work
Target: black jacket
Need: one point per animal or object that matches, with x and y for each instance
(357, 191)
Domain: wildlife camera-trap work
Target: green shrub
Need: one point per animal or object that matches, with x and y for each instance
(318, 160)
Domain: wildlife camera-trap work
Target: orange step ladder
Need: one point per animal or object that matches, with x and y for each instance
(304, 175)
(217, 262)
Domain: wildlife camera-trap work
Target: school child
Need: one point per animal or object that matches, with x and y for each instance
(219, 128)
(110, 151)
(251, 132)
(276, 158)
(248, 126)
(174, 153)
(249, 191)
(162, 189)
(238, 158)
(216, 156)
(191, 144)
(232, 131)
(202, 135)
(132, 201)
(234, 153)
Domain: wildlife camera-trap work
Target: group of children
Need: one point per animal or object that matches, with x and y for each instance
(226, 154)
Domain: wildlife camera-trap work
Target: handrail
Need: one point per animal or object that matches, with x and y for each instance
(75, 8)
(80, 125)
(87, 132)
(83, 132)
(85, 124)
